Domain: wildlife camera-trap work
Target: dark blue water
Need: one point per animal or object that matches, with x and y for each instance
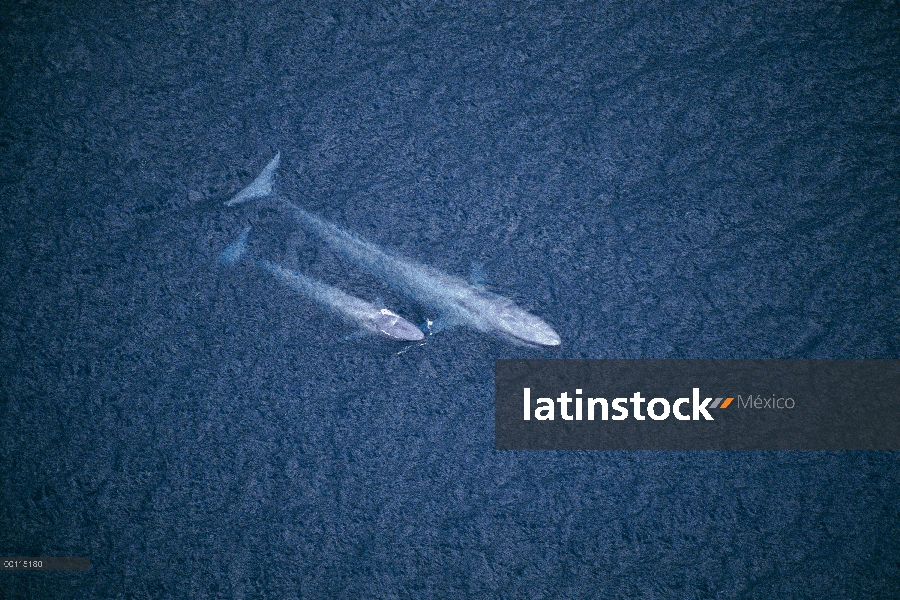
(653, 179)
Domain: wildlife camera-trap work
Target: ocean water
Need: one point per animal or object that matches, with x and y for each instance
(655, 180)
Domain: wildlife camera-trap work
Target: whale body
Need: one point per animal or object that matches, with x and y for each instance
(364, 314)
(458, 302)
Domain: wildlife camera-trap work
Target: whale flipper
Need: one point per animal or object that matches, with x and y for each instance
(477, 276)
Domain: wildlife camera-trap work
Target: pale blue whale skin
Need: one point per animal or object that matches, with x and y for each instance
(458, 302)
(259, 187)
(364, 314)
(367, 316)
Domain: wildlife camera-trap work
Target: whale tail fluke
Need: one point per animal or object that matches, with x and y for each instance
(236, 250)
(261, 186)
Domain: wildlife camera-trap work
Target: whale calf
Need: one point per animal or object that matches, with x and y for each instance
(364, 314)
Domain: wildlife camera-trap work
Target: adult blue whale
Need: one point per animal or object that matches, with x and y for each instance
(369, 317)
(457, 301)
